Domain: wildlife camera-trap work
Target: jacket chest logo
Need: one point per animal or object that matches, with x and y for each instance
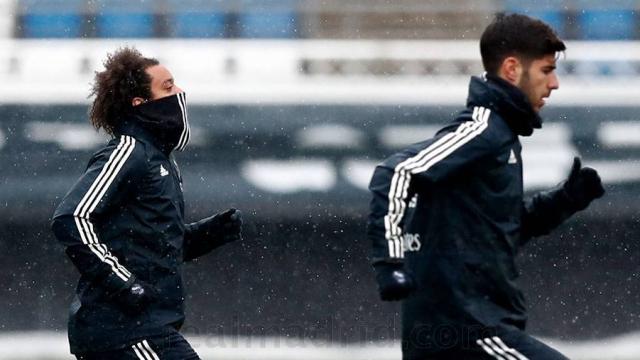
(163, 171)
(414, 201)
(512, 158)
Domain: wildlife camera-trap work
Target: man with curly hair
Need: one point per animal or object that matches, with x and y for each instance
(122, 223)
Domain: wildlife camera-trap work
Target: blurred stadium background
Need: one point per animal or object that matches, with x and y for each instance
(292, 104)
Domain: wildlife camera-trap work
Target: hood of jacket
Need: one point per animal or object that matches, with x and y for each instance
(507, 100)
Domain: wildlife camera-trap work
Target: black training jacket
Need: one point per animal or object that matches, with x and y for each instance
(122, 220)
(451, 208)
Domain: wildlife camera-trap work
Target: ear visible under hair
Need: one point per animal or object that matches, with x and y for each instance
(511, 70)
(137, 101)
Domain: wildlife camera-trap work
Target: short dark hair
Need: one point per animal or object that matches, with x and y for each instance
(516, 35)
(123, 79)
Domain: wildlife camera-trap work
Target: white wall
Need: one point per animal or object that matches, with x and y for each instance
(250, 71)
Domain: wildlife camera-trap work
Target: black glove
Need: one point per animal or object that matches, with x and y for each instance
(582, 186)
(135, 298)
(209, 233)
(225, 226)
(394, 282)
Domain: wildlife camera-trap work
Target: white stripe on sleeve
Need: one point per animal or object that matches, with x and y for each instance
(425, 159)
(92, 198)
(498, 349)
(488, 350)
(140, 352)
(150, 350)
(509, 350)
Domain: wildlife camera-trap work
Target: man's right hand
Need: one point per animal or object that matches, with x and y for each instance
(134, 299)
(394, 282)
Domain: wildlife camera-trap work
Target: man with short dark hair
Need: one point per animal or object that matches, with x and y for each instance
(448, 215)
(122, 223)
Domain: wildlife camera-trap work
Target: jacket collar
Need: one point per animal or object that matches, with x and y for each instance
(507, 100)
(131, 128)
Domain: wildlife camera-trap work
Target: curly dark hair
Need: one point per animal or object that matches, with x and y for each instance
(123, 79)
(517, 35)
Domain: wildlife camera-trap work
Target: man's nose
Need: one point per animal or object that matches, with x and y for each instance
(554, 84)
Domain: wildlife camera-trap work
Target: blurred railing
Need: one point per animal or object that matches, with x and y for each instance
(310, 71)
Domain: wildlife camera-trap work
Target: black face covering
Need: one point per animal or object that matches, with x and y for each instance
(166, 119)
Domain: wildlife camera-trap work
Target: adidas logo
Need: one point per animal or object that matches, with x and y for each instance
(512, 158)
(163, 171)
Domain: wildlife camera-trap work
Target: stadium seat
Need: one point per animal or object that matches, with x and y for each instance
(606, 21)
(548, 11)
(124, 19)
(607, 24)
(268, 19)
(51, 18)
(196, 19)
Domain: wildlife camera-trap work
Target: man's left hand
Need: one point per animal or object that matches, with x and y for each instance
(225, 226)
(583, 185)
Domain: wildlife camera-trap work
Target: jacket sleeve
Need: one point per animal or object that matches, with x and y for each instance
(212, 232)
(543, 212)
(194, 241)
(199, 241)
(109, 179)
(477, 135)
